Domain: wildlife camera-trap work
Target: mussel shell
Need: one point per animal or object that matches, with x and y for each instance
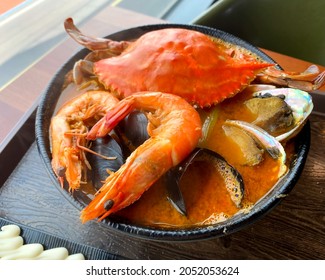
(133, 130)
(174, 194)
(233, 181)
(109, 147)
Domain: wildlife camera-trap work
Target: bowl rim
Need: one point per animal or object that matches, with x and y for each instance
(48, 103)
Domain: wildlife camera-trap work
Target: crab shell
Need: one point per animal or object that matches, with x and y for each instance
(179, 61)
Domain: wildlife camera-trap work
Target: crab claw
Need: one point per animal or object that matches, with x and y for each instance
(93, 43)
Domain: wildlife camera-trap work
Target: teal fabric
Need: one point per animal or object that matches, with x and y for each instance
(291, 27)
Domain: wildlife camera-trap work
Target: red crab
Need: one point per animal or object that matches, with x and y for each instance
(183, 62)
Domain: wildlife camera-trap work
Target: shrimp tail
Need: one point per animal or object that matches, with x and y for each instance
(111, 119)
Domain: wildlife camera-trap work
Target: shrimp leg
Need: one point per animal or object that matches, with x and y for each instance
(174, 127)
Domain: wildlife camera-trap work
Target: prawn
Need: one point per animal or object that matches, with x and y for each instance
(174, 127)
(68, 131)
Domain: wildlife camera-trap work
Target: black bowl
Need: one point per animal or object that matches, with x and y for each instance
(52, 97)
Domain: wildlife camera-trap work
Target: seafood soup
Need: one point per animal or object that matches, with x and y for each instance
(221, 139)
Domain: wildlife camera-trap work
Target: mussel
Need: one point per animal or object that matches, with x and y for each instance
(101, 166)
(133, 130)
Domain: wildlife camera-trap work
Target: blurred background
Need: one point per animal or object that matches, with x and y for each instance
(30, 29)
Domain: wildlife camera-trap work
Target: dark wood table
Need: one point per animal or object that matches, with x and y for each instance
(295, 229)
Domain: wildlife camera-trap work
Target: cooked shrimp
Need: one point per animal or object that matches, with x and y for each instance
(174, 128)
(69, 128)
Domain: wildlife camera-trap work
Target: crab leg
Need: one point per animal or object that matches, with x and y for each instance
(309, 74)
(308, 80)
(93, 43)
